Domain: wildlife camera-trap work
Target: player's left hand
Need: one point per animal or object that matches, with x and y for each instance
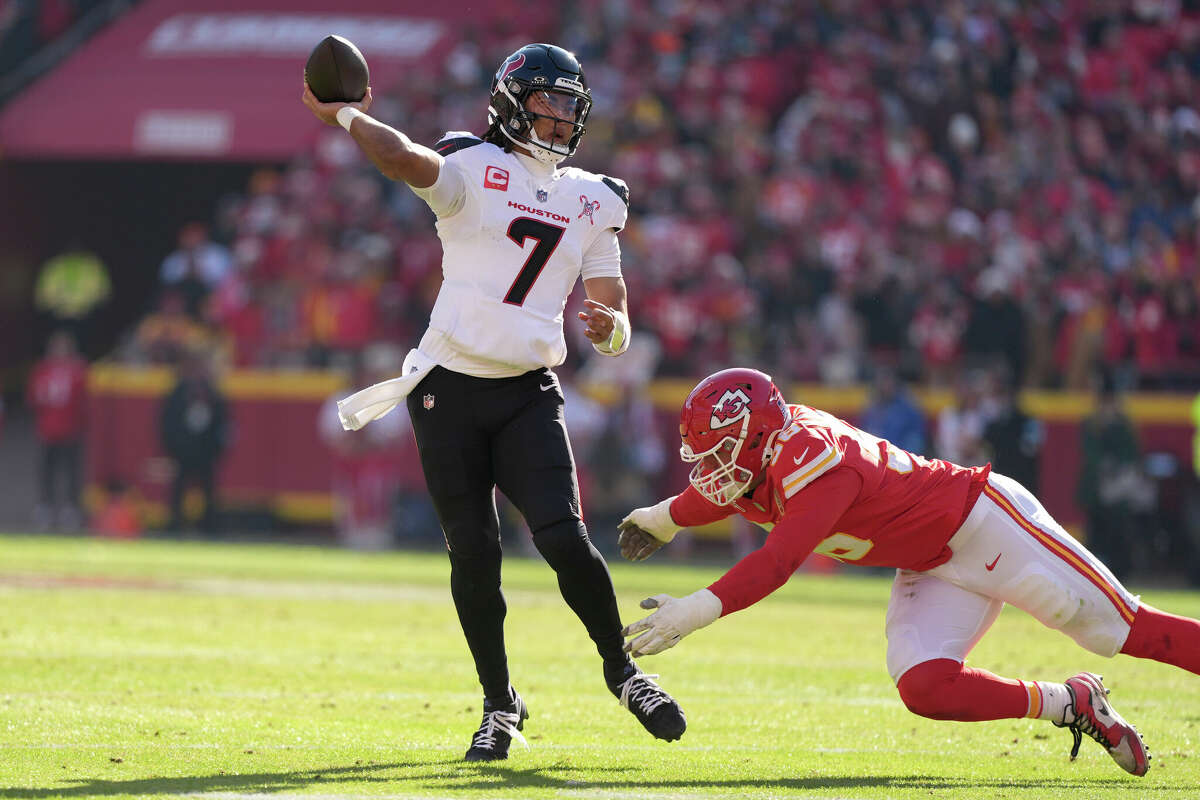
(327, 112)
(599, 320)
(674, 619)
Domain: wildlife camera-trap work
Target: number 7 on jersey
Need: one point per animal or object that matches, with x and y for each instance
(547, 237)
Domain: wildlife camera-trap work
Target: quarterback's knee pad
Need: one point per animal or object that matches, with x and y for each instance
(925, 688)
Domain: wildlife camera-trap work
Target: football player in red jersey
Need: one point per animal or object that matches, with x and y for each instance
(964, 541)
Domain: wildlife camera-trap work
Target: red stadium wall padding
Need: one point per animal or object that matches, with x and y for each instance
(277, 461)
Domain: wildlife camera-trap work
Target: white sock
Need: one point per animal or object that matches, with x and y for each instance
(1050, 701)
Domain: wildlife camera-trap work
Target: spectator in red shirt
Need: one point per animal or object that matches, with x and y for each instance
(56, 394)
(339, 311)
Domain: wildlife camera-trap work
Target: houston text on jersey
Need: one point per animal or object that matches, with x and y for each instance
(538, 212)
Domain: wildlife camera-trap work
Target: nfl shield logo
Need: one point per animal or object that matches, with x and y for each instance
(542, 194)
(428, 402)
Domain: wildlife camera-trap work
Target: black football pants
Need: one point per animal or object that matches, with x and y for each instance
(475, 434)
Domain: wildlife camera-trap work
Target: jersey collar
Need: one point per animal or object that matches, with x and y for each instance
(535, 168)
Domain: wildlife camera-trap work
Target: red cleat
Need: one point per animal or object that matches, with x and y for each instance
(1096, 717)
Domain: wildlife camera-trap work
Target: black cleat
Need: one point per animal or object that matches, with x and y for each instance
(654, 708)
(501, 724)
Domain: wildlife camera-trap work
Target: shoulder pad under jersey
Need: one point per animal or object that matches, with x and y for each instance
(619, 187)
(454, 141)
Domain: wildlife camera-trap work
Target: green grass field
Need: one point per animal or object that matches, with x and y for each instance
(204, 670)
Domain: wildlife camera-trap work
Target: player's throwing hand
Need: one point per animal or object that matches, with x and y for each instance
(327, 112)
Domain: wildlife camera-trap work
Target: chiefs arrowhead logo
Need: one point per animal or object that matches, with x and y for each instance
(734, 405)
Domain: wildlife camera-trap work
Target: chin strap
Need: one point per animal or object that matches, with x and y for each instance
(543, 152)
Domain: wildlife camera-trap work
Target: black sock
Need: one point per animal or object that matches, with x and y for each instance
(506, 700)
(617, 673)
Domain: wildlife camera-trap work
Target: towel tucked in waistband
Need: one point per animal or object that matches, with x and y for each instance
(378, 399)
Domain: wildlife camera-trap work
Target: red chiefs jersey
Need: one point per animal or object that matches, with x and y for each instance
(833, 489)
(56, 394)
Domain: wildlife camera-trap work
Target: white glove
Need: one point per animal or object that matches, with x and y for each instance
(674, 619)
(655, 520)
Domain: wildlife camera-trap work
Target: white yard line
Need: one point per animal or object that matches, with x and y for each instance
(241, 587)
(318, 589)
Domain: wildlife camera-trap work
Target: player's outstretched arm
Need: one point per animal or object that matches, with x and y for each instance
(392, 153)
(675, 618)
(645, 530)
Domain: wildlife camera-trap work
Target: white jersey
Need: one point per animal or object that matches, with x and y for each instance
(516, 235)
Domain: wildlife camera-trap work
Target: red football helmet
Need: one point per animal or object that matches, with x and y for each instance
(728, 425)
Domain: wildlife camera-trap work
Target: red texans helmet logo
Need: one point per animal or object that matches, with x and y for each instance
(514, 62)
(734, 405)
(588, 208)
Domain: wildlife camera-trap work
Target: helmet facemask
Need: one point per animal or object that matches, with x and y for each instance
(569, 106)
(717, 475)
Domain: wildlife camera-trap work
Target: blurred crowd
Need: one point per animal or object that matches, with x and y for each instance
(817, 188)
(982, 196)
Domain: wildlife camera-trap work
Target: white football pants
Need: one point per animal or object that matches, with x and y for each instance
(1008, 550)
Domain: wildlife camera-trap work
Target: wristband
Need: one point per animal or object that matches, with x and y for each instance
(655, 520)
(664, 526)
(704, 608)
(618, 342)
(346, 116)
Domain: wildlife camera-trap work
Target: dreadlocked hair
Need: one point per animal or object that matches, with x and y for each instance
(493, 136)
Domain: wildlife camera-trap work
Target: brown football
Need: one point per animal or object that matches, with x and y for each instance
(336, 71)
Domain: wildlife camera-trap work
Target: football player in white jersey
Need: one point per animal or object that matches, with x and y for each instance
(517, 232)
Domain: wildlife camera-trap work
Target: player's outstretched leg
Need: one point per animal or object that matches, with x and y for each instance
(943, 688)
(501, 724)
(587, 587)
(1090, 713)
(654, 708)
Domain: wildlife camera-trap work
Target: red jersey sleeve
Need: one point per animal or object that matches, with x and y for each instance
(809, 517)
(690, 508)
